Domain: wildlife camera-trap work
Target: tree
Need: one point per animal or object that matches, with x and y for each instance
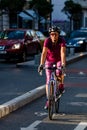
(13, 7)
(43, 7)
(74, 12)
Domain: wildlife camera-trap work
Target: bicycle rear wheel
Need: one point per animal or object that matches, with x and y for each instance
(51, 107)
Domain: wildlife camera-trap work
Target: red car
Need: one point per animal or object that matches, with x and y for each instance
(18, 43)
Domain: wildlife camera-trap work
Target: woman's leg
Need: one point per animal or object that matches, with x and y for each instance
(61, 82)
(48, 75)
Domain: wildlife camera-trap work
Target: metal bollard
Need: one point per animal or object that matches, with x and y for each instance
(72, 51)
(67, 51)
(37, 59)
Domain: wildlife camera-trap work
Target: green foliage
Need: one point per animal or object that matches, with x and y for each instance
(72, 9)
(12, 5)
(42, 6)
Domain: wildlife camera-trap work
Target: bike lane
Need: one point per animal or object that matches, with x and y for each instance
(22, 100)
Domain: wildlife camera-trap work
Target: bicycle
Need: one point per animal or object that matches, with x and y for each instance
(54, 94)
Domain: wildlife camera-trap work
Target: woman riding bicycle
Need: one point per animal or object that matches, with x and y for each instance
(54, 51)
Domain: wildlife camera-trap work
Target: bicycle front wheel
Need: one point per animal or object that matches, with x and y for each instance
(57, 105)
(51, 107)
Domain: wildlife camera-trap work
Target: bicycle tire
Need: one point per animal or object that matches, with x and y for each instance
(51, 102)
(57, 106)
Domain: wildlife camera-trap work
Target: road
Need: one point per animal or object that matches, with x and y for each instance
(15, 81)
(73, 107)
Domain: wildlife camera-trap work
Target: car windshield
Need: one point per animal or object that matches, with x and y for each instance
(39, 34)
(13, 34)
(78, 34)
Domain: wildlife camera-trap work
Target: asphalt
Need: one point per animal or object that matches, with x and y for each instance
(20, 101)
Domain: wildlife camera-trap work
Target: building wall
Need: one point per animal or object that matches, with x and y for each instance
(59, 16)
(4, 21)
(83, 3)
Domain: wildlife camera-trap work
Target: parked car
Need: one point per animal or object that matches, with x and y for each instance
(18, 43)
(78, 40)
(83, 28)
(62, 33)
(40, 36)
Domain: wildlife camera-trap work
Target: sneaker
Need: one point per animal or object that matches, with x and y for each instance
(46, 105)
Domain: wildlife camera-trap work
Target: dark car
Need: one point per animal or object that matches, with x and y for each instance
(41, 37)
(78, 40)
(18, 43)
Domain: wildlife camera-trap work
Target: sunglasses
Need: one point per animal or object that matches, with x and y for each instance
(54, 34)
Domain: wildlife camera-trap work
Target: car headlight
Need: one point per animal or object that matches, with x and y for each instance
(16, 46)
(70, 43)
(80, 42)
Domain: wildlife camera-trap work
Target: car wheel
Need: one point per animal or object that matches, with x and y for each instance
(39, 50)
(7, 59)
(23, 57)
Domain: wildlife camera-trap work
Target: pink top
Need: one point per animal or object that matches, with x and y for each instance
(53, 54)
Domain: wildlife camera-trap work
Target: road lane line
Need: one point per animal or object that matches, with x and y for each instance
(32, 126)
(81, 126)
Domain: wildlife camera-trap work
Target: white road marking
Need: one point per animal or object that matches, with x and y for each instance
(82, 95)
(81, 126)
(81, 73)
(41, 113)
(32, 126)
(78, 103)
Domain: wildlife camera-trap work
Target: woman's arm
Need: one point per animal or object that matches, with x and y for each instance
(63, 56)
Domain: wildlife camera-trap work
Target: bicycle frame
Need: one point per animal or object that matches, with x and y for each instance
(52, 94)
(54, 81)
(53, 98)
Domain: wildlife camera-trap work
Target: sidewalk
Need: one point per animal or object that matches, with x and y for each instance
(70, 58)
(22, 100)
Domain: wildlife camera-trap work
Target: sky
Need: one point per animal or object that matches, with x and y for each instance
(57, 14)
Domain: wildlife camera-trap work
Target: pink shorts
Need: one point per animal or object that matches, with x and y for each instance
(48, 72)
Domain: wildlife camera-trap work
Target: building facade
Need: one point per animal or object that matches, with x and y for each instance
(58, 17)
(4, 20)
(83, 3)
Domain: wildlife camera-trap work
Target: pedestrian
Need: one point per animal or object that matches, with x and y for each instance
(54, 51)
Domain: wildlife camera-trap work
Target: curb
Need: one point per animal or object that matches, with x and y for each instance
(75, 58)
(20, 101)
(30, 96)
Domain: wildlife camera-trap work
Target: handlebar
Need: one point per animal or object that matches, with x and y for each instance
(54, 68)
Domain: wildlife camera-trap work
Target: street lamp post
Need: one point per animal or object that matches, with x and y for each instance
(1, 14)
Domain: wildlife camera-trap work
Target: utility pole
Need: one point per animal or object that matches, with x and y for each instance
(50, 16)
